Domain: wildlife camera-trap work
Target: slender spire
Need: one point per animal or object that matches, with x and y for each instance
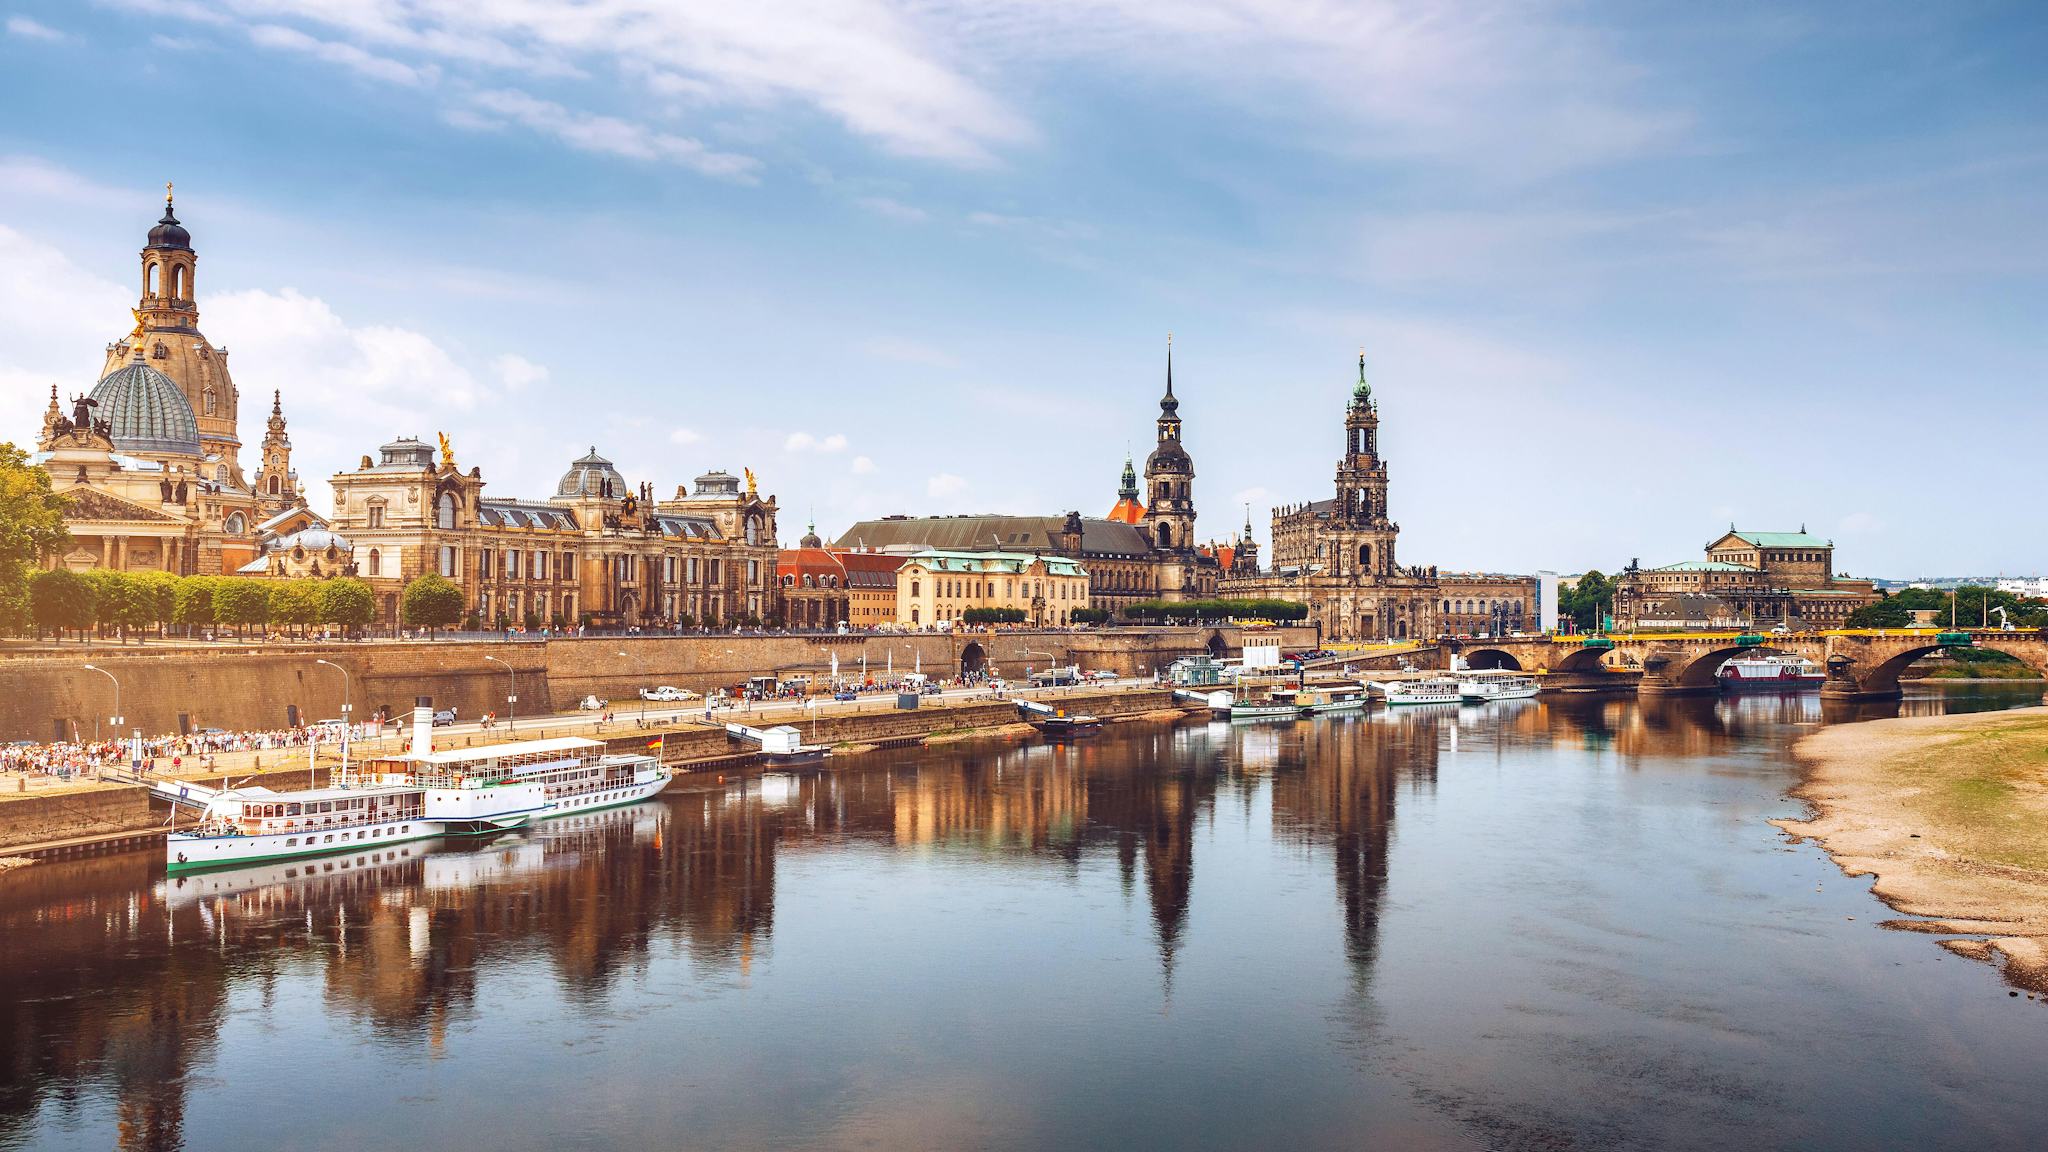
(1128, 489)
(1363, 392)
(1168, 405)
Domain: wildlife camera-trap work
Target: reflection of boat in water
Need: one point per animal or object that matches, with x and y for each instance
(346, 874)
(1428, 690)
(1485, 687)
(1771, 673)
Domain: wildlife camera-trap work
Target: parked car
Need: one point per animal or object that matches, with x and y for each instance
(444, 717)
(592, 703)
(846, 694)
(1102, 674)
(667, 692)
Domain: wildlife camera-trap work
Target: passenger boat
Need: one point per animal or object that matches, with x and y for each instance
(1274, 702)
(1326, 698)
(1770, 673)
(391, 800)
(1483, 687)
(1430, 690)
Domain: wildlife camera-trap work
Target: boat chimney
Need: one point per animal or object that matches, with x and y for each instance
(423, 726)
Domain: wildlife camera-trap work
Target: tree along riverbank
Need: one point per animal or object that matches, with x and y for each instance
(1950, 814)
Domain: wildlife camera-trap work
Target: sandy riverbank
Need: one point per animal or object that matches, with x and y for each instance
(1950, 813)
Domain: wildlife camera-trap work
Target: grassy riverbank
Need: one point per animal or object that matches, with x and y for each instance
(1950, 813)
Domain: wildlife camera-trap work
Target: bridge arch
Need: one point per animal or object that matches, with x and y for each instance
(1581, 660)
(973, 658)
(1704, 669)
(1492, 658)
(1218, 647)
(1882, 678)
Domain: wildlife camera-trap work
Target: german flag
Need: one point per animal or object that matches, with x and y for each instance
(654, 744)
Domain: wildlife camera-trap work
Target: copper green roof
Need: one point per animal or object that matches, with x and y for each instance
(1799, 539)
(937, 561)
(1703, 566)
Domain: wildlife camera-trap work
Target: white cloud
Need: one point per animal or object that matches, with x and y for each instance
(908, 352)
(348, 56)
(59, 317)
(861, 466)
(877, 68)
(892, 209)
(603, 134)
(805, 442)
(516, 372)
(28, 29)
(685, 436)
(945, 486)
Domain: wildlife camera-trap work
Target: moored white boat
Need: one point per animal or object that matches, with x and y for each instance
(1279, 702)
(424, 794)
(1484, 687)
(1328, 698)
(1428, 690)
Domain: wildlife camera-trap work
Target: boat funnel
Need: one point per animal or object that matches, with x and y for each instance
(423, 726)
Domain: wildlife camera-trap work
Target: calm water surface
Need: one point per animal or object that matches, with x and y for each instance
(1559, 924)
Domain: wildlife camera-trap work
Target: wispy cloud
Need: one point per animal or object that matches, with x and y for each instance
(375, 67)
(908, 352)
(516, 372)
(28, 29)
(604, 134)
(893, 209)
(685, 436)
(945, 486)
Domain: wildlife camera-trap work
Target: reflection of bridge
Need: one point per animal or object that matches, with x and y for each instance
(1861, 663)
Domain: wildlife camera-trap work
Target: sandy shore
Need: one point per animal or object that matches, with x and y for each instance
(1950, 813)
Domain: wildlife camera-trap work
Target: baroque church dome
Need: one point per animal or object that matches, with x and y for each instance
(147, 412)
(168, 233)
(587, 477)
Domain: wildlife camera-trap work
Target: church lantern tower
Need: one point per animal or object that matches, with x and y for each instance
(277, 486)
(167, 334)
(1361, 513)
(1170, 476)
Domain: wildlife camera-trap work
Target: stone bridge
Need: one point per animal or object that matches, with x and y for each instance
(1861, 664)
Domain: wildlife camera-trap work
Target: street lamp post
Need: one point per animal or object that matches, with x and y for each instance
(511, 695)
(117, 702)
(643, 698)
(345, 685)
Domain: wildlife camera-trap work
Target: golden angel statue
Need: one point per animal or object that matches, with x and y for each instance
(447, 451)
(753, 493)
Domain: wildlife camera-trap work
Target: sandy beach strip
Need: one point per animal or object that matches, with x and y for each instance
(1950, 814)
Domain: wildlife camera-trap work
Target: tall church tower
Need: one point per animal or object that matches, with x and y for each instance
(167, 330)
(277, 486)
(1170, 476)
(1365, 534)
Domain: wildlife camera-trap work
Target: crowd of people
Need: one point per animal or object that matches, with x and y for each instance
(159, 753)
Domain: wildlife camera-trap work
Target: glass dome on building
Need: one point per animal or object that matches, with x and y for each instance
(146, 412)
(588, 476)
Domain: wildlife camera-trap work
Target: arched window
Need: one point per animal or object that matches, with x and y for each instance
(177, 282)
(273, 483)
(235, 524)
(913, 613)
(220, 474)
(913, 592)
(150, 279)
(1365, 557)
(375, 567)
(209, 401)
(1165, 534)
(444, 511)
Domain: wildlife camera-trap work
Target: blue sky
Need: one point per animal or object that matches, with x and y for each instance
(1622, 272)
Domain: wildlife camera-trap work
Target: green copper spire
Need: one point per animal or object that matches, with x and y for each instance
(1363, 393)
(1128, 490)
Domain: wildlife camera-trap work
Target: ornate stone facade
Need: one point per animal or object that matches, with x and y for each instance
(1749, 579)
(148, 459)
(599, 551)
(1338, 556)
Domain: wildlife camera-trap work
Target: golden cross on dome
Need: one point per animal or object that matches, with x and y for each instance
(167, 191)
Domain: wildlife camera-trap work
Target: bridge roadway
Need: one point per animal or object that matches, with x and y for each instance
(1861, 663)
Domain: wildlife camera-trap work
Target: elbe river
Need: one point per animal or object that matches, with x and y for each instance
(1553, 924)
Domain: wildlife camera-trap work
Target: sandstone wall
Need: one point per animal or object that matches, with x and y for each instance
(50, 695)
